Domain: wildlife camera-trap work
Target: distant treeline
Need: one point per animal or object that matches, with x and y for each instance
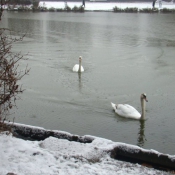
(22, 2)
(28, 2)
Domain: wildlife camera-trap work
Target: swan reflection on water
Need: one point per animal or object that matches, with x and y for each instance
(141, 134)
(79, 81)
(127, 111)
(79, 69)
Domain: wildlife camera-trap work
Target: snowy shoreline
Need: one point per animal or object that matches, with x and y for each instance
(57, 153)
(54, 156)
(115, 150)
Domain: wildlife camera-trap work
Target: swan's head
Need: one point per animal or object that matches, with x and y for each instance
(80, 58)
(143, 96)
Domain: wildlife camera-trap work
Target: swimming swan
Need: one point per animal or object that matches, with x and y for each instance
(128, 111)
(78, 67)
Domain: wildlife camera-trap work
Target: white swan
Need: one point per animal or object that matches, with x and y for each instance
(128, 111)
(78, 67)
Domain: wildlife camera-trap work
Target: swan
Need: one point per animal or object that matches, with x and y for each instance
(78, 67)
(128, 111)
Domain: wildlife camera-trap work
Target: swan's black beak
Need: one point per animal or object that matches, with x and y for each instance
(144, 97)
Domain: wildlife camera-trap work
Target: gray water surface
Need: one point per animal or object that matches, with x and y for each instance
(123, 56)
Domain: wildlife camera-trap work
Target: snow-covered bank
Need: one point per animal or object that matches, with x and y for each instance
(104, 6)
(62, 156)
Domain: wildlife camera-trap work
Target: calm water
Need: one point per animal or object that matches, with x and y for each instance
(123, 56)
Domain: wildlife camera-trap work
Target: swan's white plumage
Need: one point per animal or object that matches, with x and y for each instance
(128, 111)
(76, 68)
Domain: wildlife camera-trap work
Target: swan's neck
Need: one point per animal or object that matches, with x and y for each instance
(143, 109)
(79, 69)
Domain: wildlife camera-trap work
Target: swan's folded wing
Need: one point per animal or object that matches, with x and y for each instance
(127, 111)
(75, 68)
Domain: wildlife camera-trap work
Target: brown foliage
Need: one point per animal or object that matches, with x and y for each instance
(9, 71)
(1, 8)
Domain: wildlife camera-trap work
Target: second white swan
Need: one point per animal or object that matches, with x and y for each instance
(78, 67)
(128, 111)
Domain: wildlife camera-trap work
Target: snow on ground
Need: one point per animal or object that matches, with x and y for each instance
(54, 156)
(106, 6)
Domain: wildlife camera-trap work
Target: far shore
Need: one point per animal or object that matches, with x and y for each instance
(63, 6)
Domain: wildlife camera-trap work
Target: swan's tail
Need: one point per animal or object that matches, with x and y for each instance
(113, 105)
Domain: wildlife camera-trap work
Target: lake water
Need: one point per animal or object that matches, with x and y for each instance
(123, 56)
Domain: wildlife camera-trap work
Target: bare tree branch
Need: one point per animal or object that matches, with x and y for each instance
(9, 72)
